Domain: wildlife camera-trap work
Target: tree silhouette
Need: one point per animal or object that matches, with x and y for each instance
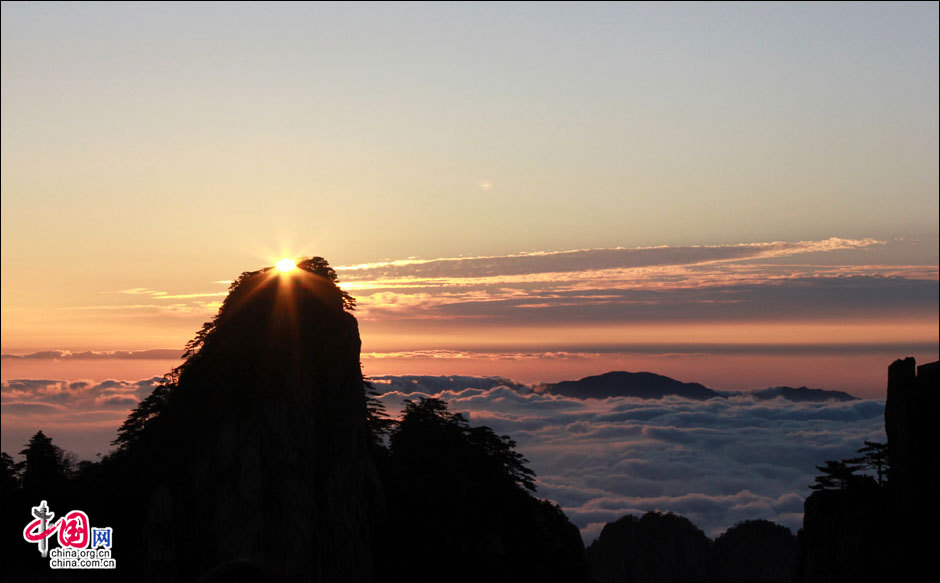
(378, 423)
(463, 495)
(138, 419)
(320, 266)
(754, 550)
(875, 457)
(46, 465)
(428, 426)
(836, 475)
(9, 477)
(839, 475)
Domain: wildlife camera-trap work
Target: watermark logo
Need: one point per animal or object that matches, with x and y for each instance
(80, 545)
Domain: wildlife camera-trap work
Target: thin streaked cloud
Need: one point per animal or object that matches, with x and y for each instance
(594, 259)
(705, 282)
(187, 309)
(162, 295)
(600, 352)
(154, 354)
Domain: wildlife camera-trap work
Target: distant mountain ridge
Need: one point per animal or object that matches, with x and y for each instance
(647, 385)
(801, 394)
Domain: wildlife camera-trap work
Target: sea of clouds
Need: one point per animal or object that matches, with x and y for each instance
(717, 462)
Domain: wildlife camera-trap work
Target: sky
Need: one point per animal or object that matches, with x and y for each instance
(739, 195)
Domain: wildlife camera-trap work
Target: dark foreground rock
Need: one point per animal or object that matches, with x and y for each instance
(668, 547)
(754, 550)
(654, 547)
(258, 458)
(870, 533)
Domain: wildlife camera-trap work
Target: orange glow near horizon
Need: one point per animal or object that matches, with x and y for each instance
(409, 335)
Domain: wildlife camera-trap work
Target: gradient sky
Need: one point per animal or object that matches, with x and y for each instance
(739, 195)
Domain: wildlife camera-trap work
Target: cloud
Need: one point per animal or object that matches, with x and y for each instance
(30, 408)
(738, 282)
(162, 295)
(81, 416)
(593, 352)
(154, 354)
(159, 303)
(717, 462)
(72, 397)
(798, 298)
(437, 384)
(591, 259)
(416, 301)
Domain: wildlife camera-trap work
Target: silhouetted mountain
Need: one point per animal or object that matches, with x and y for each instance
(645, 385)
(801, 394)
(263, 458)
(654, 547)
(668, 547)
(256, 449)
(863, 531)
(754, 550)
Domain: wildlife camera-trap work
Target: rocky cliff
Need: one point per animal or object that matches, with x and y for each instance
(868, 532)
(846, 537)
(258, 455)
(912, 422)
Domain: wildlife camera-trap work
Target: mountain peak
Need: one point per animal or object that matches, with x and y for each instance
(648, 385)
(277, 372)
(645, 385)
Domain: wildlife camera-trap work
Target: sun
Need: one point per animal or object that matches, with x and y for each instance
(285, 265)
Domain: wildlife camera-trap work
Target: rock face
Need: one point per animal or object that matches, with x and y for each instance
(912, 422)
(264, 465)
(845, 537)
(890, 533)
(655, 547)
